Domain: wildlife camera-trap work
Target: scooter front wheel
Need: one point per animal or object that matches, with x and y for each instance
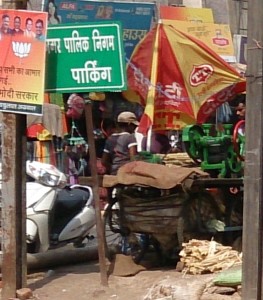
(34, 247)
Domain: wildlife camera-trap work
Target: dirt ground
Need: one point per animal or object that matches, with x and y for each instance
(72, 274)
(83, 281)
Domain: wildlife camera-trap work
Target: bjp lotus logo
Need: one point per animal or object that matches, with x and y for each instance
(21, 49)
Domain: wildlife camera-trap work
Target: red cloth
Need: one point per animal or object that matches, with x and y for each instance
(34, 130)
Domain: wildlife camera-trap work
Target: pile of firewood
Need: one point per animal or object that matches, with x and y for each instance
(201, 256)
(179, 159)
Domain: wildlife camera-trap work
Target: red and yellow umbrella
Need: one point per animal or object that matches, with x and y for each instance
(179, 79)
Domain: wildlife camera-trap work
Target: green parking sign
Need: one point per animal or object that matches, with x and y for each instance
(86, 57)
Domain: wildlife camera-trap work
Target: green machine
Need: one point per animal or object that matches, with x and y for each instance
(218, 153)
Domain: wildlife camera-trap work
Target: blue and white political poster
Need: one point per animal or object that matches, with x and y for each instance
(136, 17)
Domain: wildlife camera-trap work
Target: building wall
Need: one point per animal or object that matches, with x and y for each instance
(232, 12)
(193, 3)
(13, 4)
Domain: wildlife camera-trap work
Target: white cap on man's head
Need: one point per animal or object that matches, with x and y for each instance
(127, 117)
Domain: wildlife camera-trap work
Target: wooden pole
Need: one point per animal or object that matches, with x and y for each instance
(252, 285)
(95, 188)
(61, 257)
(13, 204)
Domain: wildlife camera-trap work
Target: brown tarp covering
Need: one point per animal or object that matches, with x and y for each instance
(149, 174)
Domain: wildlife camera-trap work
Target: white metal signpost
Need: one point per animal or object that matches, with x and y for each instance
(85, 58)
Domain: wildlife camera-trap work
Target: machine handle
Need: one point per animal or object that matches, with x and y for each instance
(236, 139)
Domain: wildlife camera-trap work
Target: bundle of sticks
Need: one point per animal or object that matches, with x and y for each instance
(180, 159)
(202, 256)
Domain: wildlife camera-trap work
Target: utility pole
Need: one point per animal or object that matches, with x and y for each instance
(13, 204)
(14, 268)
(252, 279)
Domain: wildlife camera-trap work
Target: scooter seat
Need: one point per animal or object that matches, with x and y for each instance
(71, 200)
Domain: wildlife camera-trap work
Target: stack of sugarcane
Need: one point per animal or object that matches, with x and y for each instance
(179, 159)
(201, 256)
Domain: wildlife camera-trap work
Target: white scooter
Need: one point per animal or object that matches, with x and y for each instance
(57, 213)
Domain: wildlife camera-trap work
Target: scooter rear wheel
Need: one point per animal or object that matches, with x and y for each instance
(112, 236)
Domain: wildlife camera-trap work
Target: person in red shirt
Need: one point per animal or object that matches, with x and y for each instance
(241, 110)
